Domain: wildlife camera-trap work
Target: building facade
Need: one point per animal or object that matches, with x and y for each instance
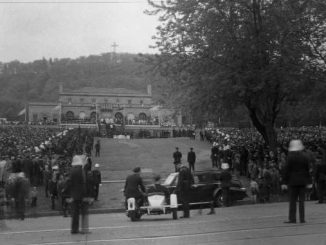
(92, 105)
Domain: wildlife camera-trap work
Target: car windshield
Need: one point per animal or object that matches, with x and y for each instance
(169, 180)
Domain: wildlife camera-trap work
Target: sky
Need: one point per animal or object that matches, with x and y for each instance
(31, 30)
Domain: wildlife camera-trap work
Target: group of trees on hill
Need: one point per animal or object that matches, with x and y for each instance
(39, 80)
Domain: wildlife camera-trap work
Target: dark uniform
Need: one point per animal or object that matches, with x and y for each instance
(191, 159)
(226, 178)
(296, 176)
(79, 186)
(97, 181)
(134, 187)
(214, 156)
(177, 158)
(183, 189)
(97, 148)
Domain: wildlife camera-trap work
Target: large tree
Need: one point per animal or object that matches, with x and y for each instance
(258, 53)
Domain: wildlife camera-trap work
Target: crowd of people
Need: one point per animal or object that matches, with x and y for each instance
(41, 157)
(247, 155)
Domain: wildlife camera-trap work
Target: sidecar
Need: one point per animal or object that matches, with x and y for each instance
(156, 204)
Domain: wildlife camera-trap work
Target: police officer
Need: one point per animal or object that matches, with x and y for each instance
(134, 186)
(296, 176)
(226, 178)
(78, 191)
(191, 159)
(183, 189)
(214, 155)
(177, 155)
(97, 180)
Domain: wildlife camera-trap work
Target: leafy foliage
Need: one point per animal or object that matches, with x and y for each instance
(39, 80)
(260, 54)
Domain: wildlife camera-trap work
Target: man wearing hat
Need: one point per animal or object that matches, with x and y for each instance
(191, 159)
(226, 178)
(177, 155)
(157, 187)
(214, 155)
(134, 186)
(185, 181)
(77, 191)
(96, 179)
(296, 176)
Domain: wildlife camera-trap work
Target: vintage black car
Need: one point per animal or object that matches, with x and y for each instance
(207, 187)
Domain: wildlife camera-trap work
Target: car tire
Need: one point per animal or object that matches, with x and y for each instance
(218, 199)
(175, 213)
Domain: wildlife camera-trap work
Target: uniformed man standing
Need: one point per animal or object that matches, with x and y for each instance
(177, 158)
(191, 159)
(296, 176)
(183, 189)
(226, 178)
(214, 155)
(134, 186)
(97, 180)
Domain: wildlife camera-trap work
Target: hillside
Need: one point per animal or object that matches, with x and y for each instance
(39, 80)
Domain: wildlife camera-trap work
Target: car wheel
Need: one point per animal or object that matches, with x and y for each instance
(175, 213)
(218, 199)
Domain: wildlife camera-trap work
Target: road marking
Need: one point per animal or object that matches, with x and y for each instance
(137, 226)
(183, 236)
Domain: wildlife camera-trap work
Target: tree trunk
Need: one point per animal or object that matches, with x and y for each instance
(265, 128)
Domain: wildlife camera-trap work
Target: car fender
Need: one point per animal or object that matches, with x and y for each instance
(131, 204)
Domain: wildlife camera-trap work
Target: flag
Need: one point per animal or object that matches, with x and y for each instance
(22, 112)
(56, 108)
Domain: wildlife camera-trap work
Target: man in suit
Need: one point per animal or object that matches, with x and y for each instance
(191, 159)
(77, 191)
(157, 187)
(296, 176)
(134, 186)
(177, 155)
(183, 189)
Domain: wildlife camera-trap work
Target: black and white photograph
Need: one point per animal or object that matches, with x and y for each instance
(180, 122)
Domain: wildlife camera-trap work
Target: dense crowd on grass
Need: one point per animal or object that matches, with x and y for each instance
(248, 155)
(39, 157)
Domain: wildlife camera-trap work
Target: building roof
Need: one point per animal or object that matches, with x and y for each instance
(93, 90)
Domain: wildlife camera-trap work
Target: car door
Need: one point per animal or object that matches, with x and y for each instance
(202, 189)
(237, 193)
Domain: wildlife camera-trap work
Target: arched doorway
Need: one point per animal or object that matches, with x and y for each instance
(70, 115)
(142, 118)
(119, 117)
(93, 117)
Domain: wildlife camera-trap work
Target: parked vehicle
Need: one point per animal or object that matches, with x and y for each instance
(207, 187)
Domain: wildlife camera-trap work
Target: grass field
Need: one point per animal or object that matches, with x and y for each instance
(119, 157)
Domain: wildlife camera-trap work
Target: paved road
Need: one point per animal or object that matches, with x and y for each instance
(247, 224)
